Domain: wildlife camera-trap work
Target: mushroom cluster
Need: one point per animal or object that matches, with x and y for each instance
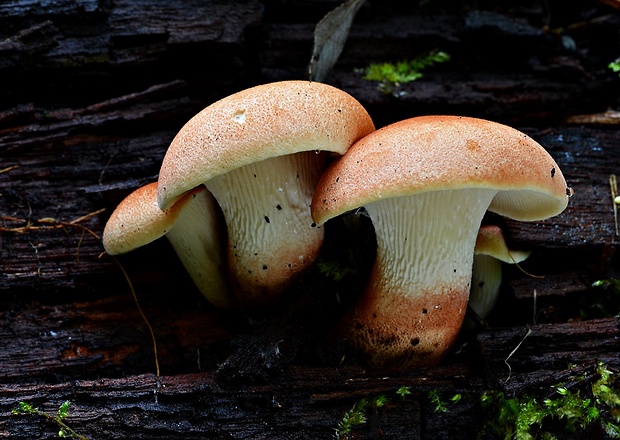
(245, 188)
(426, 183)
(255, 157)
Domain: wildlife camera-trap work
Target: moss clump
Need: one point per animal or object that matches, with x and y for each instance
(391, 75)
(570, 409)
(59, 418)
(357, 415)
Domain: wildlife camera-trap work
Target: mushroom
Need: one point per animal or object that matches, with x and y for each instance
(192, 225)
(426, 183)
(490, 252)
(257, 151)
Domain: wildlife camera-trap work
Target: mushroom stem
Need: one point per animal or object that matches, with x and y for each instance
(196, 242)
(414, 304)
(192, 226)
(486, 281)
(489, 253)
(271, 234)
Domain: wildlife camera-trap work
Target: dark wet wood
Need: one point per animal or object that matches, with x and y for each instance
(312, 400)
(94, 91)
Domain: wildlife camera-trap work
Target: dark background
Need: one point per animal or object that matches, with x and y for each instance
(92, 93)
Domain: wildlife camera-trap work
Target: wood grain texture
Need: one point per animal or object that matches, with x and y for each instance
(93, 93)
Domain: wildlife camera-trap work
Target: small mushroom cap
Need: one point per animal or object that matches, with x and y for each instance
(258, 123)
(190, 225)
(445, 152)
(137, 220)
(490, 251)
(490, 241)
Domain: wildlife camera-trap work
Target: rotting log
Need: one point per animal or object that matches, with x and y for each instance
(98, 90)
(310, 401)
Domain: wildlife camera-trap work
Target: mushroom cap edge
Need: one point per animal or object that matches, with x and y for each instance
(137, 220)
(254, 124)
(428, 153)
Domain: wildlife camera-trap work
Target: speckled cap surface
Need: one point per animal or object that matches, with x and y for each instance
(430, 153)
(256, 124)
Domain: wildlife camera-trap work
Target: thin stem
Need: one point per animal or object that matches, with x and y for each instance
(148, 324)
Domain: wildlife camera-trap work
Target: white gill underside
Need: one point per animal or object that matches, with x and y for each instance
(426, 241)
(267, 210)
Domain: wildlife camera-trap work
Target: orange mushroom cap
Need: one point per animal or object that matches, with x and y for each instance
(430, 153)
(256, 151)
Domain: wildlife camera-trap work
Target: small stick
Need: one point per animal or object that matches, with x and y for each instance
(529, 331)
(7, 169)
(523, 270)
(613, 186)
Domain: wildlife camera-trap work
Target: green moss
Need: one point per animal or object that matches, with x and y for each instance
(438, 403)
(391, 75)
(573, 410)
(603, 301)
(403, 391)
(357, 415)
(572, 407)
(335, 270)
(59, 419)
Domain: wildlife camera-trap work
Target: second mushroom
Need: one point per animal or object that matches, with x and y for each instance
(258, 153)
(426, 183)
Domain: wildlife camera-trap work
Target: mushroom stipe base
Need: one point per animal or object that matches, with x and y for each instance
(414, 304)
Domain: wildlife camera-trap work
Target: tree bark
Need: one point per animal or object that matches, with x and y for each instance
(94, 91)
